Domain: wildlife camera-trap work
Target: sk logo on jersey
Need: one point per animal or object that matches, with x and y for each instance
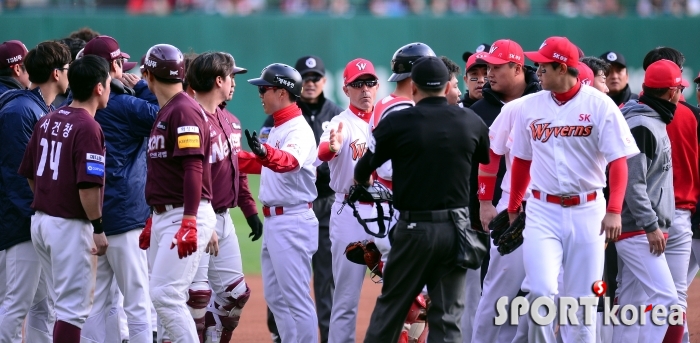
(357, 149)
(543, 132)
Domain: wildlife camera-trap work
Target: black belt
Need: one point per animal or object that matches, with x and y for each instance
(158, 209)
(221, 210)
(427, 216)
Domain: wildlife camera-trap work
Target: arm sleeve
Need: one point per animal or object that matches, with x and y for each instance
(487, 177)
(89, 155)
(279, 160)
(245, 198)
(324, 152)
(192, 184)
(141, 116)
(636, 196)
(519, 180)
(618, 184)
(248, 163)
(142, 92)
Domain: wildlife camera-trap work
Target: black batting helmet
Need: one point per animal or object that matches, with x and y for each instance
(403, 59)
(280, 75)
(165, 61)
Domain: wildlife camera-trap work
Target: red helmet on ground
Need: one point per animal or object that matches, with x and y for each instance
(166, 62)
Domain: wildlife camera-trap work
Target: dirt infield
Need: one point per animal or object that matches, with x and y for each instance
(253, 326)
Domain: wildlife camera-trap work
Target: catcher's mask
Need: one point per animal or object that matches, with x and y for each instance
(377, 194)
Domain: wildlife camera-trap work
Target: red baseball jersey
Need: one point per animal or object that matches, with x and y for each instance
(67, 148)
(181, 129)
(225, 135)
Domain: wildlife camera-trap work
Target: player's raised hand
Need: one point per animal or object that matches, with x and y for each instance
(657, 242)
(611, 226)
(255, 145)
(336, 138)
(186, 238)
(101, 244)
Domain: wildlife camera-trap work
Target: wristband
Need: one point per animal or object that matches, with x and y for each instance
(97, 226)
(486, 187)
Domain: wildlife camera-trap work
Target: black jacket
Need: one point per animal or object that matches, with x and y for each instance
(624, 96)
(488, 109)
(467, 102)
(318, 121)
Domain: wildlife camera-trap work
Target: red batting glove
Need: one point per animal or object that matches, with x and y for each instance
(186, 238)
(145, 236)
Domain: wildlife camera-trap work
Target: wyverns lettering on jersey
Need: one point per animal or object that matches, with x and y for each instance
(544, 131)
(358, 149)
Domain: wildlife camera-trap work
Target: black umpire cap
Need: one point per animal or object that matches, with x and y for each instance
(430, 72)
(614, 57)
(310, 64)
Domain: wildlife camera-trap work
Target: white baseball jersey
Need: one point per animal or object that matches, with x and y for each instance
(294, 187)
(570, 145)
(355, 135)
(390, 103)
(501, 136)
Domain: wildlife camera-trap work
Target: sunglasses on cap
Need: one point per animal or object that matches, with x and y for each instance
(264, 89)
(313, 78)
(358, 84)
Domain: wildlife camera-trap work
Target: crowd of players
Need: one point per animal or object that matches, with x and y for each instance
(168, 135)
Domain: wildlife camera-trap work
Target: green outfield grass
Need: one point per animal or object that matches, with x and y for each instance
(250, 251)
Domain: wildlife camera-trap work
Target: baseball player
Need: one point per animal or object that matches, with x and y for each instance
(683, 134)
(600, 69)
(564, 138)
(511, 81)
(287, 190)
(178, 189)
(342, 144)
(647, 212)
(64, 163)
(13, 73)
(211, 77)
(126, 122)
(25, 286)
(475, 78)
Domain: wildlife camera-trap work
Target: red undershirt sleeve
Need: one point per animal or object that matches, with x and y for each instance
(192, 188)
(617, 176)
(278, 160)
(519, 180)
(245, 198)
(487, 183)
(248, 163)
(324, 152)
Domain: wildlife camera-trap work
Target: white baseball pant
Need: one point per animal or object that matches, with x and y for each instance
(26, 295)
(693, 268)
(117, 328)
(63, 246)
(678, 247)
(227, 268)
(289, 242)
(348, 276)
(644, 279)
(567, 237)
(127, 265)
(503, 278)
(472, 295)
(171, 276)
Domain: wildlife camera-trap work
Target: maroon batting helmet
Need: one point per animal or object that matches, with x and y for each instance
(166, 62)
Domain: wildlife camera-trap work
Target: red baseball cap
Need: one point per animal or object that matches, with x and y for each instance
(356, 68)
(107, 48)
(472, 60)
(556, 49)
(12, 52)
(585, 74)
(504, 51)
(663, 74)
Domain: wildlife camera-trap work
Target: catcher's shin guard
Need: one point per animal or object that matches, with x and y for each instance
(415, 325)
(224, 313)
(199, 296)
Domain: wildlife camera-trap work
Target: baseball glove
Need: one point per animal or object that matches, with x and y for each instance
(366, 254)
(499, 224)
(512, 237)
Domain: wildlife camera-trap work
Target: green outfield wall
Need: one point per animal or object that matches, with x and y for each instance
(257, 41)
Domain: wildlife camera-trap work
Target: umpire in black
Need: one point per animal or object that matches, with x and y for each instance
(432, 147)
